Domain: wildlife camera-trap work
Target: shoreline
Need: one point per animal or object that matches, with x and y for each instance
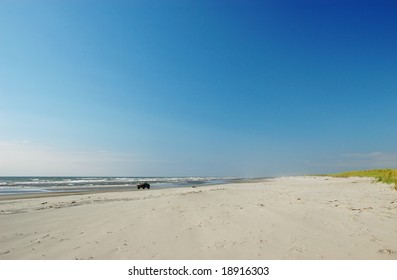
(123, 188)
(22, 187)
(303, 217)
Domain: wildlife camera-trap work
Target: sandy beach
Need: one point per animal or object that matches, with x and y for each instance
(282, 218)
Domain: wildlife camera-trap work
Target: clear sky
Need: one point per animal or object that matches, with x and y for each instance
(197, 88)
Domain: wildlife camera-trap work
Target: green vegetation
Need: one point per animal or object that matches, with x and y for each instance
(388, 176)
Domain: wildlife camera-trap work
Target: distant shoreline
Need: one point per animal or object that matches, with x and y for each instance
(33, 187)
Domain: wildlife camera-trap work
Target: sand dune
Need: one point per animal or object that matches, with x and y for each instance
(282, 218)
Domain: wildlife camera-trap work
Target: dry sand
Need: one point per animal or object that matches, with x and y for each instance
(283, 218)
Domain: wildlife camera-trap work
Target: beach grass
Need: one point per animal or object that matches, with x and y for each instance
(388, 176)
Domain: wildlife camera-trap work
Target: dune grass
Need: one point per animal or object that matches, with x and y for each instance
(388, 176)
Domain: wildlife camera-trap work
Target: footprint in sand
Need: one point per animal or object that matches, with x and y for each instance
(387, 251)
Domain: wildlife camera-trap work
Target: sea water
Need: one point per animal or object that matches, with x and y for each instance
(31, 185)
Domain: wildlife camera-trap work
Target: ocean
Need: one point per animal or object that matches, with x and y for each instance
(34, 185)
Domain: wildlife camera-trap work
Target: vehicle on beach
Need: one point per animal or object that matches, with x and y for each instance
(143, 185)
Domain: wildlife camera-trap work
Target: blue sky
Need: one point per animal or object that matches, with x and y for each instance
(197, 88)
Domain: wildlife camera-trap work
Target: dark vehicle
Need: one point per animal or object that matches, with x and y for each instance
(143, 185)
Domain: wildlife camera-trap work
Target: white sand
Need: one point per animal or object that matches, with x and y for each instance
(283, 218)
